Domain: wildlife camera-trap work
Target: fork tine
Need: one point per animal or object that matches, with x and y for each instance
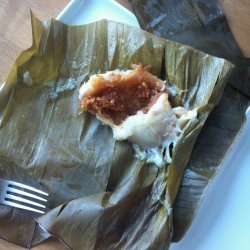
(13, 204)
(17, 198)
(17, 191)
(17, 184)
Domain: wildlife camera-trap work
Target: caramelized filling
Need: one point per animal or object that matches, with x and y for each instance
(121, 96)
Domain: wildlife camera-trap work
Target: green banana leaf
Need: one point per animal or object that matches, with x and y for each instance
(101, 196)
(198, 23)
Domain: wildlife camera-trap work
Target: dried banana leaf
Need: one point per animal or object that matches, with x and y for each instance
(202, 24)
(212, 146)
(198, 23)
(102, 197)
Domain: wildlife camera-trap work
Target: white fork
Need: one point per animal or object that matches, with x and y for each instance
(22, 196)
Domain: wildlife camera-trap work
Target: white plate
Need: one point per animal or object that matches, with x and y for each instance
(87, 11)
(223, 220)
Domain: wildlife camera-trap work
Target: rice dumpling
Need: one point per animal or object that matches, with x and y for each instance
(134, 103)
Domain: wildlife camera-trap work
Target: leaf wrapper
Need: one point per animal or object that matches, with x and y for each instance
(202, 25)
(101, 196)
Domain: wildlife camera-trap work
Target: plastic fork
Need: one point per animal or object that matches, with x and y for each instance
(22, 196)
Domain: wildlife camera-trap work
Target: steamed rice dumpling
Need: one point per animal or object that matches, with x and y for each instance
(135, 104)
(116, 95)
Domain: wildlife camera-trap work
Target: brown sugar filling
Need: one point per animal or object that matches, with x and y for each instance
(116, 100)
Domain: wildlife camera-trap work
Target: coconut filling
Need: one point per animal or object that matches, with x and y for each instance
(136, 107)
(117, 95)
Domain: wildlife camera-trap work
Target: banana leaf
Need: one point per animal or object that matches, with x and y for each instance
(212, 146)
(198, 23)
(101, 196)
(202, 24)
